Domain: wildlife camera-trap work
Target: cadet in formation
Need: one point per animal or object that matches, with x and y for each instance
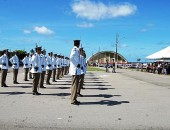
(4, 67)
(26, 66)
(75, 71)
(36, 70)
(15, 65)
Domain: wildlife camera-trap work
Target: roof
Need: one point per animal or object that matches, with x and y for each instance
(162, 54)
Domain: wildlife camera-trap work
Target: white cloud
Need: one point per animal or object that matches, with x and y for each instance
(96, 11)
(27, 31)
(144, 30)
(43, 30)
(85, 25)
(123, 45)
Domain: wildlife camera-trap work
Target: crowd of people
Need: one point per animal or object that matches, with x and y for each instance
(158, 67)
(37, 65)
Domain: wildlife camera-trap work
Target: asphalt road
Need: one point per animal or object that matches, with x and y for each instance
(125, 100)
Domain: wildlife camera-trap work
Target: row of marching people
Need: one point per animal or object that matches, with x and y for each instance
(57, 66)
(54, 65)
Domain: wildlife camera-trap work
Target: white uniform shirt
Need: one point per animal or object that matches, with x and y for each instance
(49, 62)
(14, 61)
(36, 64)
(4, 62)
(82, 64)
(74, 61)
(30, 60)
(58, 62)
(26, 62)
(54, 62)
(43, 62)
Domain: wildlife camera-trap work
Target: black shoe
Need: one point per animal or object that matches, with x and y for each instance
(48, 83)
(54, 81)
(15, 82)
(82, 88)
(80, 95)
(75, 103)
(42, 87)
(5, 85)
(36, 93)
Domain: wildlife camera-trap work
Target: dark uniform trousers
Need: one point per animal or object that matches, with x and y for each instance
(49, 72)
(65, 70)
(15, 74)
(81, 79)
(58, 73)
(54, 74)
(3, 76)
(62, 71)
(75, 83)
(41, 81)
(30, 74)
(35, 82)
(26, 73)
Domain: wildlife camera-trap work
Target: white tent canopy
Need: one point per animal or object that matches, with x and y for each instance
(162, 54)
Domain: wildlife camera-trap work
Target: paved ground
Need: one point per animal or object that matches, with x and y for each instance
(123, 100)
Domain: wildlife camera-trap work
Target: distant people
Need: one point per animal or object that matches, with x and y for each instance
(49, 67)
(113, 69)
(75, 71)
(58, 63)
(159, 68)
(54, 65)
(30, 74)
(36, 70)
(141, 67)
(15, 65)
(107, 65)
(26, 66)
(43, 66)
(4, 67)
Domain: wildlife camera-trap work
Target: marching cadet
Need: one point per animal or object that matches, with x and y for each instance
(26, 66)
(62, 66)
(36, 70)
(58, 63)
(4, 67)
(54, 62)
(75, 71)
(85, 67)
(49, 68)
(66, 62)
(81, 78)
(15, 65)
(43, 65)
(30, 74)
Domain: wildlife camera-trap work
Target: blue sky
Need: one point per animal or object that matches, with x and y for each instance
(142, 25)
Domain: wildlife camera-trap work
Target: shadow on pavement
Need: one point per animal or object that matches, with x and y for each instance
(58, 88)
(21, 86)
(100, 95)
(57, 94)
(100, 88)
(96, 85)
(95, 82)
(105, 102)
(12, 93)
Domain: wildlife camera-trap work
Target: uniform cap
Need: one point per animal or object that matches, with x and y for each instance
(76, 42)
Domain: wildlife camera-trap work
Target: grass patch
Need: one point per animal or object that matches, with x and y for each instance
(90, 68)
